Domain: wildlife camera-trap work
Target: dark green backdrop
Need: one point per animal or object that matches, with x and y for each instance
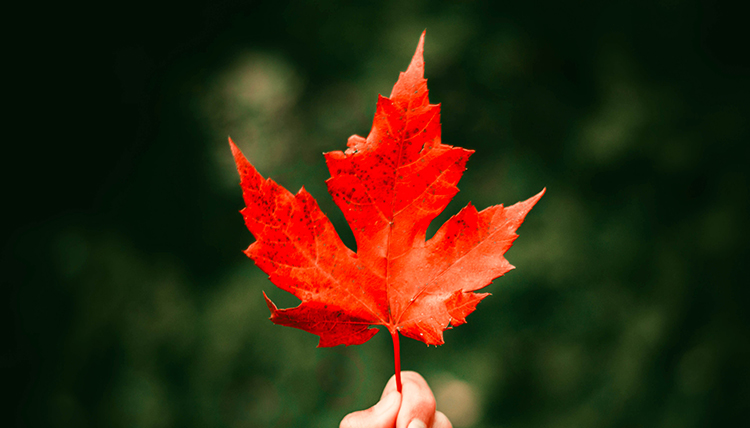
(127, 300)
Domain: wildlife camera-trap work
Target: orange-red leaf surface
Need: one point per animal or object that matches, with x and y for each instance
(390, 186)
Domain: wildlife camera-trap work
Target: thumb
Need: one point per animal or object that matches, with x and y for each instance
(381, 415)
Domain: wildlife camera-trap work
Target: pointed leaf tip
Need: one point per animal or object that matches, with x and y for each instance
(417, 61)
(411, 83)
(235, 149)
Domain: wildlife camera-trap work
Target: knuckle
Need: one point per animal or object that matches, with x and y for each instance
(346, 422)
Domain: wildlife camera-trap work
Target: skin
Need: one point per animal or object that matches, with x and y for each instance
(414, 408)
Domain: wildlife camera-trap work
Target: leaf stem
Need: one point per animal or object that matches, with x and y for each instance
(397, 358)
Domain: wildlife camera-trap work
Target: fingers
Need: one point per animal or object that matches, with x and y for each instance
(414, 408)
(417, 402)
(381, 415)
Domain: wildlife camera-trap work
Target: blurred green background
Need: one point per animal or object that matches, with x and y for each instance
(127, 299)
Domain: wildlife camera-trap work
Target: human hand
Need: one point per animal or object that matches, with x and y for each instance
(413, 408)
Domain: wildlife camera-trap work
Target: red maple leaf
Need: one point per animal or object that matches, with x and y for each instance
(390, 186)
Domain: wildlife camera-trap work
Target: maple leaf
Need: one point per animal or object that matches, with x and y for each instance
(390, 186)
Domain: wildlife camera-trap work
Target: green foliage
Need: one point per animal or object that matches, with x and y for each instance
(131, 303)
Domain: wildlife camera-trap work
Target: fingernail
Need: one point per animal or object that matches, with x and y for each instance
(388, 401)
(416, 423)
